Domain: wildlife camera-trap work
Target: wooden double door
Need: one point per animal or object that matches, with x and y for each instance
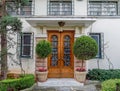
(61, 61)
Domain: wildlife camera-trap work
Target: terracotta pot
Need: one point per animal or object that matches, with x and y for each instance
(80, 76)
(42, 76)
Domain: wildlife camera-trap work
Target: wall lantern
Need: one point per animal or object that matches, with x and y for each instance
(61, 24)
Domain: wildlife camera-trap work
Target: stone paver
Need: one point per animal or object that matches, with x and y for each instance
(60, 82)
(64, 85)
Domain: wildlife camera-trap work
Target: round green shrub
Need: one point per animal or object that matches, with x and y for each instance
(17, 84)
(110, 85)
(85, 48)
(43, 48)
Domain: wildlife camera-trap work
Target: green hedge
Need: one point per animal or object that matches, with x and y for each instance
(17, 84)
(110, 85)
(102, 74)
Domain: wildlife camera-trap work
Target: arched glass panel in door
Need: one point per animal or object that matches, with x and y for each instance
(54, 57)
(67, 50)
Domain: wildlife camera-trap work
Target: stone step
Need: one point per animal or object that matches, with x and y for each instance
(64, 84)
(53, 82)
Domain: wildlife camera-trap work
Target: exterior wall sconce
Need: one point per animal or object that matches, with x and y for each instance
(61, 24)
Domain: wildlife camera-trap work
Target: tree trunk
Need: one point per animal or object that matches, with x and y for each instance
(82, 64)
(4, 56)
(4, 67)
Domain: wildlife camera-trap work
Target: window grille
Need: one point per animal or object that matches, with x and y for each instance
(62, 7)
(23, 10)
(102, 8)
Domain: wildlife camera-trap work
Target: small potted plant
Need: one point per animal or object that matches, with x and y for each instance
(84, 48)
(43, 49)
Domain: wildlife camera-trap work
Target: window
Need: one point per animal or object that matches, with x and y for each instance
(102, 8)
(99, 38)
(23, 10)
(61, 7)
(25, 45)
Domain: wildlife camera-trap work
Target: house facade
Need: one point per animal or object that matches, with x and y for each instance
(61, 22)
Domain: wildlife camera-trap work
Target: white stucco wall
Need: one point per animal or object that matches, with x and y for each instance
(80, 7)
(40, 7)
(28, 64)
(111, 30)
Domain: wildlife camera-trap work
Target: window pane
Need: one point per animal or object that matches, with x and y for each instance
(54, 57)
(12, 8)
(60, 8)
(54, 8)
(105, 8)
(26, 44)
(27, 39)
(98, 38)
(67, 51)
(26, 50)
(66, 8)
(26, 10)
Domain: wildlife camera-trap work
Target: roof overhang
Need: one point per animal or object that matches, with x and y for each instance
(53, 21)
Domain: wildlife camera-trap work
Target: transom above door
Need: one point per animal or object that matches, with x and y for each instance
(61, 61)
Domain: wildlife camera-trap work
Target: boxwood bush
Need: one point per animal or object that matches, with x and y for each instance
(110, 85)
(17, 84)
(102, 74)
(43, 48)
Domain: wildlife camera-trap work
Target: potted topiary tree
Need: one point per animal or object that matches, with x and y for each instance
(43, 49)
(84, 48)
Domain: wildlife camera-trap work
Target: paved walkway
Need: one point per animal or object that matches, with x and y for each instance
(60, 82)
(64, 84)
